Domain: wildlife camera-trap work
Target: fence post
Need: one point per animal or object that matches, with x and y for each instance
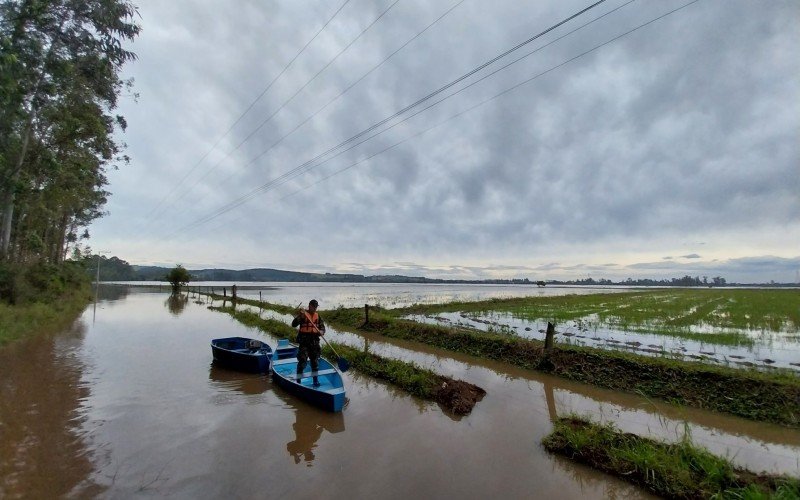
(548, 337)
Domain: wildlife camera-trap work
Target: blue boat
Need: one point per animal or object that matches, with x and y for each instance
(242, 354)
(328, 395)
(285, 350)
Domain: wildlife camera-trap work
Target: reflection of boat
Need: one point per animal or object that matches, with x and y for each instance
(239, 353)
(228, 381)
(328, 394)
(308, 425)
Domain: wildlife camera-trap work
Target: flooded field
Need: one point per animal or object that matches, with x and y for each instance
(127, 403)
(724, 328)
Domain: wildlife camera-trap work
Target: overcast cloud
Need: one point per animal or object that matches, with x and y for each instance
(673, 150)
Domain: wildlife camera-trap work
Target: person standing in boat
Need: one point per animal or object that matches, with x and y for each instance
(311, 328)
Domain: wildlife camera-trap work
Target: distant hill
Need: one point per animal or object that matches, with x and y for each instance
(116, 269)
(154, 273)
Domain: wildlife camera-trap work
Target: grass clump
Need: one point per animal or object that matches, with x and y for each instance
(680, 470)
(454, 395)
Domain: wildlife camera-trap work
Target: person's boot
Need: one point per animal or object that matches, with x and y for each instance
(316, 382)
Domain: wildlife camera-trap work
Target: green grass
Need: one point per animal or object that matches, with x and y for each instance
(408, 376)
(20, 321)
(680, 470)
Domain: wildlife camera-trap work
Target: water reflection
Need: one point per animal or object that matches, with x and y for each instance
(176, 303)
(42, 450)
(245, 383)
(309, 422)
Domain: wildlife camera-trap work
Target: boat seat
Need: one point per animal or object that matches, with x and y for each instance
(317, 374)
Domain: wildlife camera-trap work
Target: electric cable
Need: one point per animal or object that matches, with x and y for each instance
(253, 103)
(265, 121)
(400, 112)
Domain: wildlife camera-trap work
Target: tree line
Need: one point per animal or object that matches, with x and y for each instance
(60, 82)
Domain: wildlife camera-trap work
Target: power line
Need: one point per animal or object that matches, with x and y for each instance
(349, 87)
(300, 168)
(263, 92)
(352, 85)
(265, 121)
(280, 181)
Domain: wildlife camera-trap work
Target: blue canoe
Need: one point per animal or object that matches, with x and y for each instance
(242, 354)
(329, 395)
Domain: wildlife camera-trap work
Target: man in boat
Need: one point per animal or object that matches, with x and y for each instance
(311, 328)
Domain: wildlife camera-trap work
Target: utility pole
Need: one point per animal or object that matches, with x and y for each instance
(97, 279)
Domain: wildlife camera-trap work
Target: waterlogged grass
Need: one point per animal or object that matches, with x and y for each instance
(772, 396)
(763, 396)
(681, 312)
(455, 395)
(37, 318)
(679, 470)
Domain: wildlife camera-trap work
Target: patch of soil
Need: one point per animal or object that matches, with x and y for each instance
(458, 396)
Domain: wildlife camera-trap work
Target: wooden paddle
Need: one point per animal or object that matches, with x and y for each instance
(342, 363)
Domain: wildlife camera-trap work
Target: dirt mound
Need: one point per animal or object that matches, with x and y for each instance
(458, 396)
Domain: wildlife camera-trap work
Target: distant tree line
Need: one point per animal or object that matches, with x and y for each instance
(116, 269)
(685, 281)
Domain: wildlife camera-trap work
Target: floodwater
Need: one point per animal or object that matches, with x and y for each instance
(768, 350)
(127, 403)
(387, 295)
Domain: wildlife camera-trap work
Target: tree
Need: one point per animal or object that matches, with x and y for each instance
(178, 277)
(59, 84)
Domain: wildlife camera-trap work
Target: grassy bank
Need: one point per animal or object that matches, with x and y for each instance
(40, 299)
(772, 397)
(679, 470)
(454, 395)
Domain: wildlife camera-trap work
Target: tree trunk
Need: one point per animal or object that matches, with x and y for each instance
(8, 200)
(60, 250)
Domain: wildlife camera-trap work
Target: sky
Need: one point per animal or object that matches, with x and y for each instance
(670, 150)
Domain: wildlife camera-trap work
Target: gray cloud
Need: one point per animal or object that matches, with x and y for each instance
(677, 133)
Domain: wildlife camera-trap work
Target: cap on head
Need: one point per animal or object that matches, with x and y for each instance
(313, 302)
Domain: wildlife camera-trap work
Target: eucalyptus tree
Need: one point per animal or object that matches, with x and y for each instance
(59, 85)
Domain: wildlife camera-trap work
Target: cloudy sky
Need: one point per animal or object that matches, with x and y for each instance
(672, 150)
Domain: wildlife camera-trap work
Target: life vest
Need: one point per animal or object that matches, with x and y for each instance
(309, 322)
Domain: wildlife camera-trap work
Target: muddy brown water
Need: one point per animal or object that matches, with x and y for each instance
(127, 403)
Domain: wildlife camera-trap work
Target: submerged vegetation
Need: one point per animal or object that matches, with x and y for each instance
(454, 395)
(679, 470)
(763, 396)
(772, 397)
(673, 311)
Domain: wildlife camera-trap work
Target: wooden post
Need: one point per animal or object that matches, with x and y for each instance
(224, 292)
(233, 292)
(548, 337)
(259, 295)
(366, 316)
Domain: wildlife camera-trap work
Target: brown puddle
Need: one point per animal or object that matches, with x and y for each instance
(130, 404)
